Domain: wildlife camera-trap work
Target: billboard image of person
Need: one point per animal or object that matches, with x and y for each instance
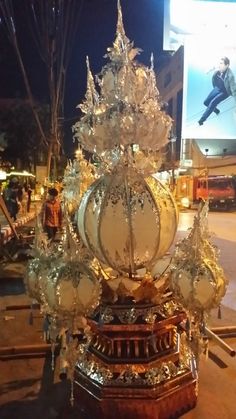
(209, 90)
(224, 85)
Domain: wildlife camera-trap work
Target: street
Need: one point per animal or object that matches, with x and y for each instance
(29, 388)
(222, 224)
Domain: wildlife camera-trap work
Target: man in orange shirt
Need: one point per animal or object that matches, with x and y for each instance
(52, 214)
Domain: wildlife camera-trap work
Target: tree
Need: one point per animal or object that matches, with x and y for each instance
(21, 134)
(53, 24)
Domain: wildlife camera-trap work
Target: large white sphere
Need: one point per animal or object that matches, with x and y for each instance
(127, 221)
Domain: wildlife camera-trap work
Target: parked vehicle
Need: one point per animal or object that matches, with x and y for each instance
(220, 190)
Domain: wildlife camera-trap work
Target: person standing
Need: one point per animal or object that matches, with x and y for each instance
(52, 214)
(29, 193)
(224, 85)
(10, 198)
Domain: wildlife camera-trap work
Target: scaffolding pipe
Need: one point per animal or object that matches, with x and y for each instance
(220, 342)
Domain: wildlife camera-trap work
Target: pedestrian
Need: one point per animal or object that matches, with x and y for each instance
(28, 191)
(19, 191)
(11, 201)
(52, 214)
(224, 85)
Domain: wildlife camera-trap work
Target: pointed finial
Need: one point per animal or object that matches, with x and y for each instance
(121, 45)
(152, 61)
(122, 49)
(91, 84)
(120, 26)
(87, 63)
(91, 94)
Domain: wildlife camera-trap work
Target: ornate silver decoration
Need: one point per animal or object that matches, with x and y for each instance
(96, 372)
(129, 376)
(130, 316)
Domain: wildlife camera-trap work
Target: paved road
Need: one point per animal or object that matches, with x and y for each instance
(29, 389)
(221, 224)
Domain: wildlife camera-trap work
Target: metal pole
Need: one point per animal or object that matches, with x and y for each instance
(220, 342)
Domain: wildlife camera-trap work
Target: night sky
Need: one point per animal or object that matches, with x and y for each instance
(143, 22)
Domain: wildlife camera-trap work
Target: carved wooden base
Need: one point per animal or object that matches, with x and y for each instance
(131, 405)
(137, 366)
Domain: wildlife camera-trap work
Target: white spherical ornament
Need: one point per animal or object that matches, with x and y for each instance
(72, 289)
(198, 286)
(127, 221)
(36, 270)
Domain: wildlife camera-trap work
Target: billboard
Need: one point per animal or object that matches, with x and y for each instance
(185, 17)
(206, 28)
(209, 90)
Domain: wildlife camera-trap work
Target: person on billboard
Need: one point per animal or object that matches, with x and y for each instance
(224, 85)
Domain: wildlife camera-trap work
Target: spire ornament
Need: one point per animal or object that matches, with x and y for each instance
(197, 280)
(127, 111)
(119, 53)
(91, 95)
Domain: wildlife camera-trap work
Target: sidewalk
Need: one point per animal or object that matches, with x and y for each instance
(22, 219)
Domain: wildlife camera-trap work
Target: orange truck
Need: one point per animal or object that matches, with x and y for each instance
(220, 190)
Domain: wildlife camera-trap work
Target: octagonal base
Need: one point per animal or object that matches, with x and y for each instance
(133, 404)
(136, 367)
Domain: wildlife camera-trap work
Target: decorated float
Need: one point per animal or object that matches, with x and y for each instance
(131, 325)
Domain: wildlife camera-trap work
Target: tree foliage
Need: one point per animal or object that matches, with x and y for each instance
(21, 133)
(53, 24)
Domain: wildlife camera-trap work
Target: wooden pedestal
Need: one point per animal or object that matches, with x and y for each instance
(137, 366)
